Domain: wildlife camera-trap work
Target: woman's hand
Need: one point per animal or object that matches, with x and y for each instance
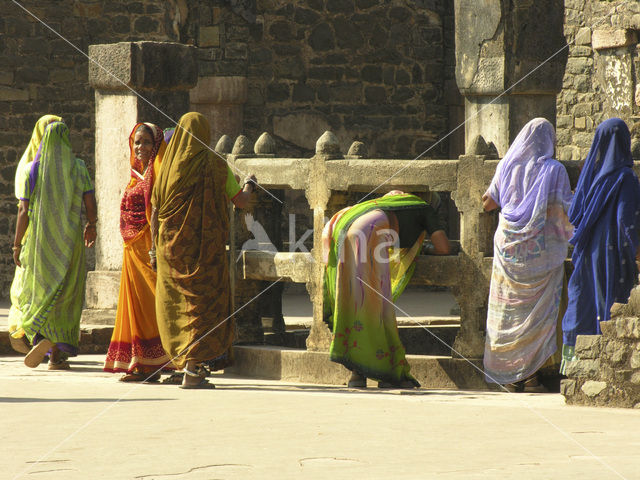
(16, 255)
(90, 235)
(488, 203)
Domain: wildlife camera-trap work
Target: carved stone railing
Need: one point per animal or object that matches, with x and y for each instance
(324, 179)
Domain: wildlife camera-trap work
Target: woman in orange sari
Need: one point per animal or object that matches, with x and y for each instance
(135, 346)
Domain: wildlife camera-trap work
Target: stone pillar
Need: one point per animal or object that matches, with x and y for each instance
(473, 290)
(134, 82)
(494, 52)
(318, 196)
(221, 100)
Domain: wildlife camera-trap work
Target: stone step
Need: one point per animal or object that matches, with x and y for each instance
(296, 365)
(417, 340)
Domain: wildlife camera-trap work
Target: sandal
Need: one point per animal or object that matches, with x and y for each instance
(37, 353)
(19, 344)
(203, 383)
(59, 365)
(140, 377)
(174, 379)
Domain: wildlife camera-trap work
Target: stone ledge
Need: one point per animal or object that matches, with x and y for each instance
(604, 39)
(315, 367)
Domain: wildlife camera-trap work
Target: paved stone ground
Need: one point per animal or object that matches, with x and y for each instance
(83, 424)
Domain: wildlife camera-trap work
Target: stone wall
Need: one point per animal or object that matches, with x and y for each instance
(608, 370)
(41, 73)
(602, 76)
(365, 69)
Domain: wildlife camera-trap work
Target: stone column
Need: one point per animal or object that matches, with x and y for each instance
(499, 43)
(221, 100)
(473, 290)
(134, 82)
(318, 196)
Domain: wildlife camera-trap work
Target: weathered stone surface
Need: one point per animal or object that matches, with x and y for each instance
(592, 388)
(588, 346)
(583, 368)
(242, 146)
(479, 146)
(568, 387)
(634, 362)
(616, 351)
(628, 327)
(142, 65)
(328, 144)
(357, 150)
(607, 39)
(265, 145)
(583, 37)
(224, 145)
(608, 328)
(300, 128)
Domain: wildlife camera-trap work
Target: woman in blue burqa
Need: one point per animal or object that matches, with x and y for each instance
(605, 212)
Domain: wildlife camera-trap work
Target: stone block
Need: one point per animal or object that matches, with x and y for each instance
(579, 65)
(568, 387)
(583, 368)
(102, 289)
(209, 37)
(581, 51)
(580, 123)
(146, 65)
(608, 328)
(628, 327)
(6, 78)
(592, 388)
(583, 36)
(564, 121)
(588, 346)
(604, 38)
(634, 362)
(616, 351)
(8, 94)
(635, 378)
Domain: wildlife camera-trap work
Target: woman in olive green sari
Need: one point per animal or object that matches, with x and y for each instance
(190, 228)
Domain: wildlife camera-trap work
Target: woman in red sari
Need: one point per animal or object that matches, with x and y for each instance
(135, 346)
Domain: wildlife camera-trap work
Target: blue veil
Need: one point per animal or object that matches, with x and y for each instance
(606, 214)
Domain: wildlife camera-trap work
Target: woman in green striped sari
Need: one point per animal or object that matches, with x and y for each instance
(47, 309)
(369, 251)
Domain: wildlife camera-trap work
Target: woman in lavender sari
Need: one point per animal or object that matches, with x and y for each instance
(530, 246)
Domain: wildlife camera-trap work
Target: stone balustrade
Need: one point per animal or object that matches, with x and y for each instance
(324, 180)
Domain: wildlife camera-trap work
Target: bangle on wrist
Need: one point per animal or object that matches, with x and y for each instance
(89, 222)
(16, 247)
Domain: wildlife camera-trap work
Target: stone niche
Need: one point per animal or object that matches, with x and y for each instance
(607, 372)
